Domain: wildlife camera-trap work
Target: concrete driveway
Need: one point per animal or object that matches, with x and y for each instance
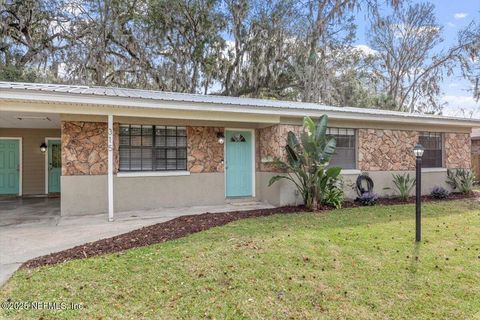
(33, 227)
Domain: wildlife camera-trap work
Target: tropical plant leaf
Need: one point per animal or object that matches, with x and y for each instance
(292, 157)
(275, 179)
(309, 125)
(292, 140)
(321, 129)
(306, 162)
(333, 172)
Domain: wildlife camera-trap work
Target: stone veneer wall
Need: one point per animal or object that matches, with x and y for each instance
(84, 148)
(378, 149)
(271, 142)
(458, 150)
(204, 153)
(386, 150)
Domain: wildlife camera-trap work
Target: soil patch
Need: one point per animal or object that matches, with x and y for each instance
(185, 225)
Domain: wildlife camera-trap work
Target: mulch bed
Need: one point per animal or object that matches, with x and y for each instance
(185, 225)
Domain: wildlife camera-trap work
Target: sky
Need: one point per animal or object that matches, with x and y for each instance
(453, 15)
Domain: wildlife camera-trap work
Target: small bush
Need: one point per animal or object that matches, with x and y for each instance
(461, 180)
(404, 184)
(368, 199)
(330, 187)
(439, 193)
(333, 197)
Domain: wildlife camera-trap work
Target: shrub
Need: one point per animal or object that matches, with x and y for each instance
(368, 199)
(333, 196)
(403, 184)
(306, 164)
(330, 187)
(461, 180)
(439, 193)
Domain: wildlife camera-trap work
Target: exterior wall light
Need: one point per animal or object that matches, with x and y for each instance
(221, 137)
(43, 148)
(418, 151)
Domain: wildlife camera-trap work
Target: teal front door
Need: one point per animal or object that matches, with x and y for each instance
(238, 163)
(54, 166)
(9, 166)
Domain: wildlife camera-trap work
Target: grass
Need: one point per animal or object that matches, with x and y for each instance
(346, 264)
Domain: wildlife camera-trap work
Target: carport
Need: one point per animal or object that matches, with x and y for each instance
(16, 211)
(30, 154)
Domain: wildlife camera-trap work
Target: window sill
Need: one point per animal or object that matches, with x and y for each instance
(153, 174)
(426, 170)
(350, 171)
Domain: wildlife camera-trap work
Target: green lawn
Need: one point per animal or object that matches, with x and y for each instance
(345, 264)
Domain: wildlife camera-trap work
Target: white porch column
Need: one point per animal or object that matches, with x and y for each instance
(110, 167)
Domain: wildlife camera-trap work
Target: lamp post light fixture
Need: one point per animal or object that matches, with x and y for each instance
(418, 151)
(43, 148)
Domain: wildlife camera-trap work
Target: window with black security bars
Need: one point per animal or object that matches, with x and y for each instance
(152, 148)
(432, 142)
(345, 153)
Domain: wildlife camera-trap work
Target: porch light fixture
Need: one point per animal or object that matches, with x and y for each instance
(43, 148)
(221, 137)
(418, 151)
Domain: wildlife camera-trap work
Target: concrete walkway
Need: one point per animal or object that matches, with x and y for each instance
(32, 228)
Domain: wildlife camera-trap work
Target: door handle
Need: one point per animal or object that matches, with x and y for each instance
(18, 167)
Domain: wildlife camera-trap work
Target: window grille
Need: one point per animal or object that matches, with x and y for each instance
(433, 144)
(152, 148)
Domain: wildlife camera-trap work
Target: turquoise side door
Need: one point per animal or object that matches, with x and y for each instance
(54, 165)
(238, 163)
(9, 166)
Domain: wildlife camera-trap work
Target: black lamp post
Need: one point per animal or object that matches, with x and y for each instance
(418, 151)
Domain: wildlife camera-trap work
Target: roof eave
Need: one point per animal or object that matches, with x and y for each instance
(99, 100)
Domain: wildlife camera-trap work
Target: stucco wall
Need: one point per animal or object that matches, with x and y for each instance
(87, 194)
(284, 193)
(33, 174)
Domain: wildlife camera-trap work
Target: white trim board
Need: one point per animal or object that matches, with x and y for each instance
(46, 160)
(20, 161)
(253, 157)
(153, 174)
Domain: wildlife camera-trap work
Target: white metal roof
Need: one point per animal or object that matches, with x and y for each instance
(233, 102)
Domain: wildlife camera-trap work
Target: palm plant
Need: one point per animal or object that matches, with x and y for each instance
(461, 180)
(306, 164)
(404, 184)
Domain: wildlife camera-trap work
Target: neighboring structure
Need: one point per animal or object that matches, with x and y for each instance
(476, 153)
(123, 149)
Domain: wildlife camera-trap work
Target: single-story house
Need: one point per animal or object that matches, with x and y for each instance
(113, 149)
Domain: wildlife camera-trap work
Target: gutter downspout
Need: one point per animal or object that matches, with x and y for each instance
(110, 167)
